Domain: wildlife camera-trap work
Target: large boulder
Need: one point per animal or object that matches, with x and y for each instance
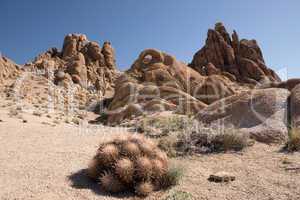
(242, 58)
(260, 113)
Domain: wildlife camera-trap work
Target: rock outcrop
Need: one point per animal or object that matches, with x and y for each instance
(82, 61)
(260, 113)
(157, 82)
(243, 59)
(8, 69)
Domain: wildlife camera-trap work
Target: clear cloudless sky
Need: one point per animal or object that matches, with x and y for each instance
(179, 27)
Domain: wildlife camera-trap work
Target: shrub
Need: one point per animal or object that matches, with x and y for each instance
(163, 126)
(293, 143)
(132, 163)
(168, 145)
(172, 177)
(200, 139)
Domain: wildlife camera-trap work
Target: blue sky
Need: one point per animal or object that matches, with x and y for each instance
(30, 27)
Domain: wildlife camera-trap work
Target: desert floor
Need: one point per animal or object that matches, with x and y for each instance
(42, 160)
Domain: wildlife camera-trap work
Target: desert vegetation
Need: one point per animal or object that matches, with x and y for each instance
(293, 143)
(134, 164)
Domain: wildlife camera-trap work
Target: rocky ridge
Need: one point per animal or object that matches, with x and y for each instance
(242, 59)
(81, 61)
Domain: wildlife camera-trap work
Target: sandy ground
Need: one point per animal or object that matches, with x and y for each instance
(45, 161)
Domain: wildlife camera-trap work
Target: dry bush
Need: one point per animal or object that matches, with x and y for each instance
(132, 163)
(163, 126)
(200, 139)
(293, 143)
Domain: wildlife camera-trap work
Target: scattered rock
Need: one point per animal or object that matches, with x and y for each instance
(37, 113)
(221, 177)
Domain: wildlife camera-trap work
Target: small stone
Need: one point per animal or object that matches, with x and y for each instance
(221, 177)
(25, 121)
(37, 113)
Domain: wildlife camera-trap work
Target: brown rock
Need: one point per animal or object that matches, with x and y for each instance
(213, 89)
(88, 64)
(109, 55)
(8, 69)
(158, 82)
(242, 58)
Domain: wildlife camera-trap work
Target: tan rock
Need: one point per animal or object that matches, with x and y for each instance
(259, 113)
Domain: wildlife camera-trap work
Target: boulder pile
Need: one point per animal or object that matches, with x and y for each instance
(158, 82)
(81, 61)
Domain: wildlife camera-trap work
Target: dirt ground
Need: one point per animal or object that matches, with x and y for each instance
(41, 160)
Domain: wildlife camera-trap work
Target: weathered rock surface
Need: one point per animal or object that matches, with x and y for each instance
(8, 69)
(241, 58)
(260, 113)
(82, 61)
(157, 82)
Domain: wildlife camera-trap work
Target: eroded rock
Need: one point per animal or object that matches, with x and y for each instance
(242, 58)
(158, 82)
(260, 113)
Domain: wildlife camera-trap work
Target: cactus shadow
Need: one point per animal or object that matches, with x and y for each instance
(80, 180)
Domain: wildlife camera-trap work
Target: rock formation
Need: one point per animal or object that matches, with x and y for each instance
(158, 82)
(243, 59)
(260, 113)
(8, 69)
(82, 61)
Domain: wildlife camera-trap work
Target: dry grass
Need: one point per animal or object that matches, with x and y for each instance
(293, 143)
(206, 140)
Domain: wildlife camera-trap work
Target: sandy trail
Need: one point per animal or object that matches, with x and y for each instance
(37, 159)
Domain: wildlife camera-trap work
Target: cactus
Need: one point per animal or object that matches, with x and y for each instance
(125, 170)
(143, 168)
(131, 163)
(131, 149)
(110, 183)
(144, 189)
(108, 154)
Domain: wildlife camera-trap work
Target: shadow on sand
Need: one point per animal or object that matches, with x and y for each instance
(80, 180)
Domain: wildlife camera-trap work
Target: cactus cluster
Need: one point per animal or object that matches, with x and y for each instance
(132, 163)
